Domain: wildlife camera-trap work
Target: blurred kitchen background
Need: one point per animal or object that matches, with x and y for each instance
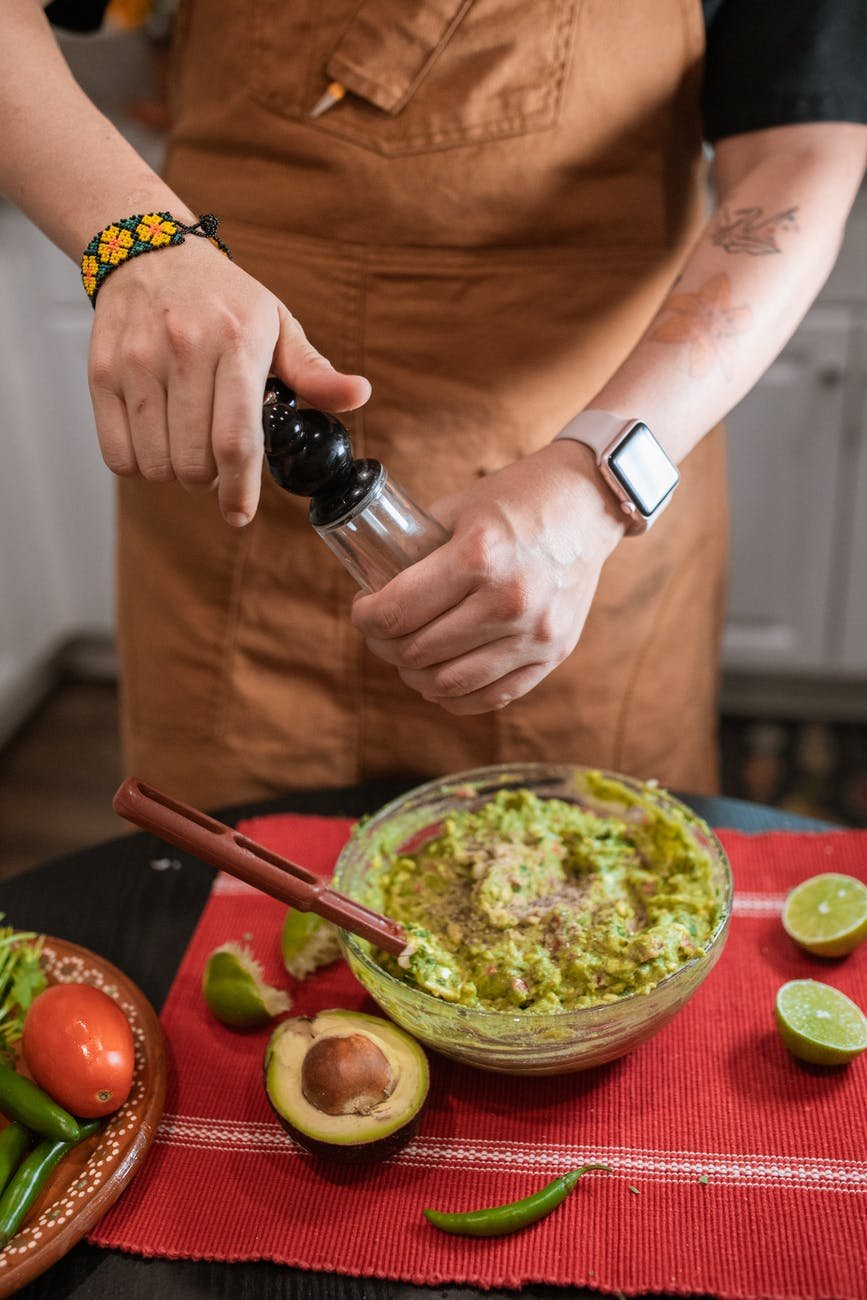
(794, 694)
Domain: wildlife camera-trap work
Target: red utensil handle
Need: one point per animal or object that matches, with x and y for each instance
(223, 847)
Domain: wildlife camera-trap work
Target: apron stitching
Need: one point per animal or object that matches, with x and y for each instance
(451, 259)
(516, 122)
(565, 63)
(367, 83)
(424, 140)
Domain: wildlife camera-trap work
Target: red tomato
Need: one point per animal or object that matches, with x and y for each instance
(79, 1048)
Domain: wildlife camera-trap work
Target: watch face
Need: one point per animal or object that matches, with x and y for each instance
(642, 467)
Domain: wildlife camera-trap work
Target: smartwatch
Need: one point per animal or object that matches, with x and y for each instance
(631, 462)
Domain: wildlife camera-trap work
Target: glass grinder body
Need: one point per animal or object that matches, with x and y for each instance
(366, 518)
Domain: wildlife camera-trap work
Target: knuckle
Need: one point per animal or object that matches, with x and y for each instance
(513, 598)
(158, 471)
(102, 372)
(449, 682)
(412, 653)
(498, 699)
(477, 556)
(545, 629)
(390, 619)
(137, 354)
(185, 336)
(308, 356)
(198, 472)
(121, 463)
(233, 332)
(236, 444)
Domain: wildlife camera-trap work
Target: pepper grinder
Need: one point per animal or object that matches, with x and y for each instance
(367, 519)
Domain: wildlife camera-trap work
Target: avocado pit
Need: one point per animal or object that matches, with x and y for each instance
(345, 1085)
(346, 1074)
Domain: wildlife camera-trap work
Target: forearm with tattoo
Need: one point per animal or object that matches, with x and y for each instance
(708, 322)
(785, 195)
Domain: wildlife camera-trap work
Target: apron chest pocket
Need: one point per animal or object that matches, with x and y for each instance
(420, 75)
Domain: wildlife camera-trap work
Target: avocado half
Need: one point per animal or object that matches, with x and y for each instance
(346, 1086)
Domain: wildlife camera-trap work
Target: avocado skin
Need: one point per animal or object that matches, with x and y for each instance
(366, 1150)
(358, 1153)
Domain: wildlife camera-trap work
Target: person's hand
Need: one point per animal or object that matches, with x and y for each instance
(484, 618)
(183, 341)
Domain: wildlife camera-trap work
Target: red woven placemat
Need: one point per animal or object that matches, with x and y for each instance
(738, 1171)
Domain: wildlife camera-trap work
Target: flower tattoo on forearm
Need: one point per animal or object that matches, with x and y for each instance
(707, 321)
(748, 230)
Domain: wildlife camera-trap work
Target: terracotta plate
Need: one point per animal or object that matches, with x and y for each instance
(94, 1174)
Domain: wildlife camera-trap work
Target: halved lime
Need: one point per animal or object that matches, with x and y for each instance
(820, 1024)
(307, 942)
(827, 914)
(235, 991)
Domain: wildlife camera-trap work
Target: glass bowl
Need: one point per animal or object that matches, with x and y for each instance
(519, 1042)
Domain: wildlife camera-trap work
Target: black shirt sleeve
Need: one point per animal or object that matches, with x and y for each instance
(76, 15)
(781, 62)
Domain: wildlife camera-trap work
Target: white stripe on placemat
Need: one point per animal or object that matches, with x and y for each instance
(800, 1172)
(758, 904)
(744, 904)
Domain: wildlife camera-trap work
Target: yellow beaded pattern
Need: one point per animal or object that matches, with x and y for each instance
(131, 236)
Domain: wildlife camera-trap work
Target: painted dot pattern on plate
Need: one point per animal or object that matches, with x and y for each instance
(121, 1131)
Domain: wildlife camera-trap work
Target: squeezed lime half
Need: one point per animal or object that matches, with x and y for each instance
(307, 941)
(827, 914)
(820, 1024)
(235, 991)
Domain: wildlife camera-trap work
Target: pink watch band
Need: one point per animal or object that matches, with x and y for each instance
(603, 432)
(596, 429)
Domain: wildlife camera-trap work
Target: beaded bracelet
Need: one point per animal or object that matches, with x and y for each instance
(140, 233)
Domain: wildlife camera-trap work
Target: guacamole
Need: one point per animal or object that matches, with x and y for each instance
(541, 905)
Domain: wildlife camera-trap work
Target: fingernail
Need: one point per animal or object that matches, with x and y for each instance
(237, 518)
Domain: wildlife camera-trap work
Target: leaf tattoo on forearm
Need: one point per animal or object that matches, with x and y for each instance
(708, 322)
(748, 230)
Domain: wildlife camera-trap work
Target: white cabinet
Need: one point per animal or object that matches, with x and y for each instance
(56, 511)
(785, 454)
(853, 635)
(56, 495)
(796, 628)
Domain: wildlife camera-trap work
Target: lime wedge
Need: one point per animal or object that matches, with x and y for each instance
(307, 942)
(820, 1024)
(235, 991)
(827, 914)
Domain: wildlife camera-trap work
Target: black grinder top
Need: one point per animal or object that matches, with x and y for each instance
(309, 454)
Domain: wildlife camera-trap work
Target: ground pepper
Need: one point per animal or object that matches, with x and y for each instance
(543, 905)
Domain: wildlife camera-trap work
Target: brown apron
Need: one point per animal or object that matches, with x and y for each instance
(484, 227)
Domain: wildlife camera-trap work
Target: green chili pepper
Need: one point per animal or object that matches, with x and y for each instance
(14, 1141)
(500, 1219)
(21, 1100)
(33, 1173)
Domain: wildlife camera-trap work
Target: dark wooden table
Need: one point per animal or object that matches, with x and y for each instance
(121, 900)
